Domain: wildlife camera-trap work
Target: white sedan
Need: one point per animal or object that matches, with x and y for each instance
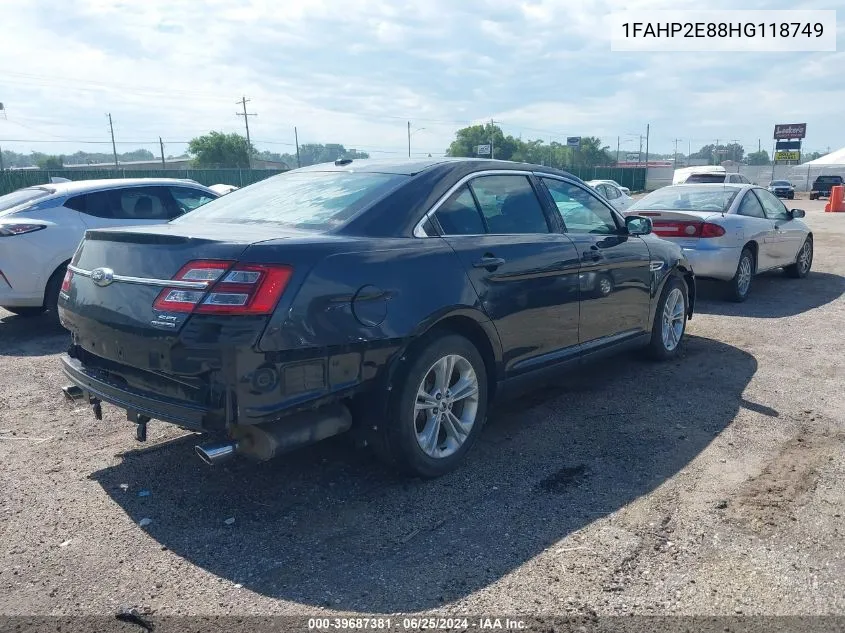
(612, 193)
(730, 232)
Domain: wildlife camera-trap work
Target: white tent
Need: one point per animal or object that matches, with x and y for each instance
(834, 158)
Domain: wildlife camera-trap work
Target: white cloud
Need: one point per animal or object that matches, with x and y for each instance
(355, 71)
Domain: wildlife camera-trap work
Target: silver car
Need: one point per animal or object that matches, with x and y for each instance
(730, 232)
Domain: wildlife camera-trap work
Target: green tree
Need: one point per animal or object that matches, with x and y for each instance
(716, 154)
(759, 158)
(812, 156)
(50, 162)
(314, 153)
(469, 138)
(217, 149)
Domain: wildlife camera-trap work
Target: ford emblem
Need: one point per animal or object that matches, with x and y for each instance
(102, 276)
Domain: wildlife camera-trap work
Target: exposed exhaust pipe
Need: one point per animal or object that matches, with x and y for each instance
(261, 442)
(214, 454)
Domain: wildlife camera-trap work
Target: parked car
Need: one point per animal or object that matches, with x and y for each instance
(822, 185)
(41, 226)
(730, 232)
(618, 198)
(782, 189)
(707, 174)
(624, 190)
(396, 299)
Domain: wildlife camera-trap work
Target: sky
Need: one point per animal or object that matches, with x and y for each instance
(356, 71)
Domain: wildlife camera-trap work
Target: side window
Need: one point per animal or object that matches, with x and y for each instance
(750, 206)
(602, 189)
(509, 205)
(188, 199)
(581, 211)
(612, 192)
(744, 180)
(142, 203)
(772, 205)
(459, 215)
(97, 204)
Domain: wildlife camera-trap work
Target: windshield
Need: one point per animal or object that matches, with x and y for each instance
(21, 196)
(780, 183)
(304, 200)
(705, 178)
(685, 198)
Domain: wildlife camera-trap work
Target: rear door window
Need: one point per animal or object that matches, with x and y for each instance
(459, 215)
(509, 205)
(129, 203)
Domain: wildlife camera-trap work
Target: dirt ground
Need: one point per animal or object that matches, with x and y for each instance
(711, 485)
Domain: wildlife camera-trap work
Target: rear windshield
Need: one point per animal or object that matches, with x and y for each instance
(317, 201)
(829, 179)
(22, 196)
(685, 198)
(705, 178)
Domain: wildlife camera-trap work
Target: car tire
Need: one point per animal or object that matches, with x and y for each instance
(792, 196)
(803, 261)
(739, 287)
(420, 435)
(51, 294)
(670, 320)
(26, 311)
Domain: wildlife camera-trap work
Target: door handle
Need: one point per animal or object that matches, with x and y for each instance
(593, 256)
(489, 262)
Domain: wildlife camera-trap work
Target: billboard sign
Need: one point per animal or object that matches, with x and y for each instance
(483, 150)
(788, 145)
(788, 155)
(790, 130)
(573, 141)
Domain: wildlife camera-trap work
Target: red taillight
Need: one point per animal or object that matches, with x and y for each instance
(232, 288)
(712, 230)
(668, 228)
(66, 281)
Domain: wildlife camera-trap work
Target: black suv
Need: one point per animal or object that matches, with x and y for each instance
(822, 185)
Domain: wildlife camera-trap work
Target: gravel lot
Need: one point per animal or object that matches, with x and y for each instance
(712, 485)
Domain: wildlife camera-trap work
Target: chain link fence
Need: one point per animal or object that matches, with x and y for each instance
(801, 176)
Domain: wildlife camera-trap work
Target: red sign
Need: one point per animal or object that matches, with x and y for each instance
(790, 130)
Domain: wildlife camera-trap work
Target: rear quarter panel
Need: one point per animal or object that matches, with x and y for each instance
(351, 311)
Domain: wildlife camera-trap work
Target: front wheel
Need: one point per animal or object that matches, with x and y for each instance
(803, 261)
(438, 411)
(670, 321)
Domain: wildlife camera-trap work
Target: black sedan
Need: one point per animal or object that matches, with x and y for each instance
(393, 299)
(782, 189)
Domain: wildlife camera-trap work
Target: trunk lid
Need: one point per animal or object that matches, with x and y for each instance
(118, 320)
(677, 225)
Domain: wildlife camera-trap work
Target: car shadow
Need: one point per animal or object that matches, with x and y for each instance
(31, 336)
(329, 526)
(773, 295)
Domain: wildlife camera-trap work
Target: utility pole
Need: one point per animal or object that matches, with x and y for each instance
(759, 148)
(550, 152)
(296, 140)
(161, 145)
(675, 157)
(409, 139)
(734, 152)
(640, 153)
(647, 129)
(492, 134)
(246, 116)
(617, 151)
(113, 147)
(1, 160)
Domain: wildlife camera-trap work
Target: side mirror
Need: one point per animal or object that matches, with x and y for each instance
(638, 225)
(797, 213)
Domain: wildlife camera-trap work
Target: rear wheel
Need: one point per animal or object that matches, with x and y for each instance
(803, 261)
(739, 287)
(670, 321)
(438, 410)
